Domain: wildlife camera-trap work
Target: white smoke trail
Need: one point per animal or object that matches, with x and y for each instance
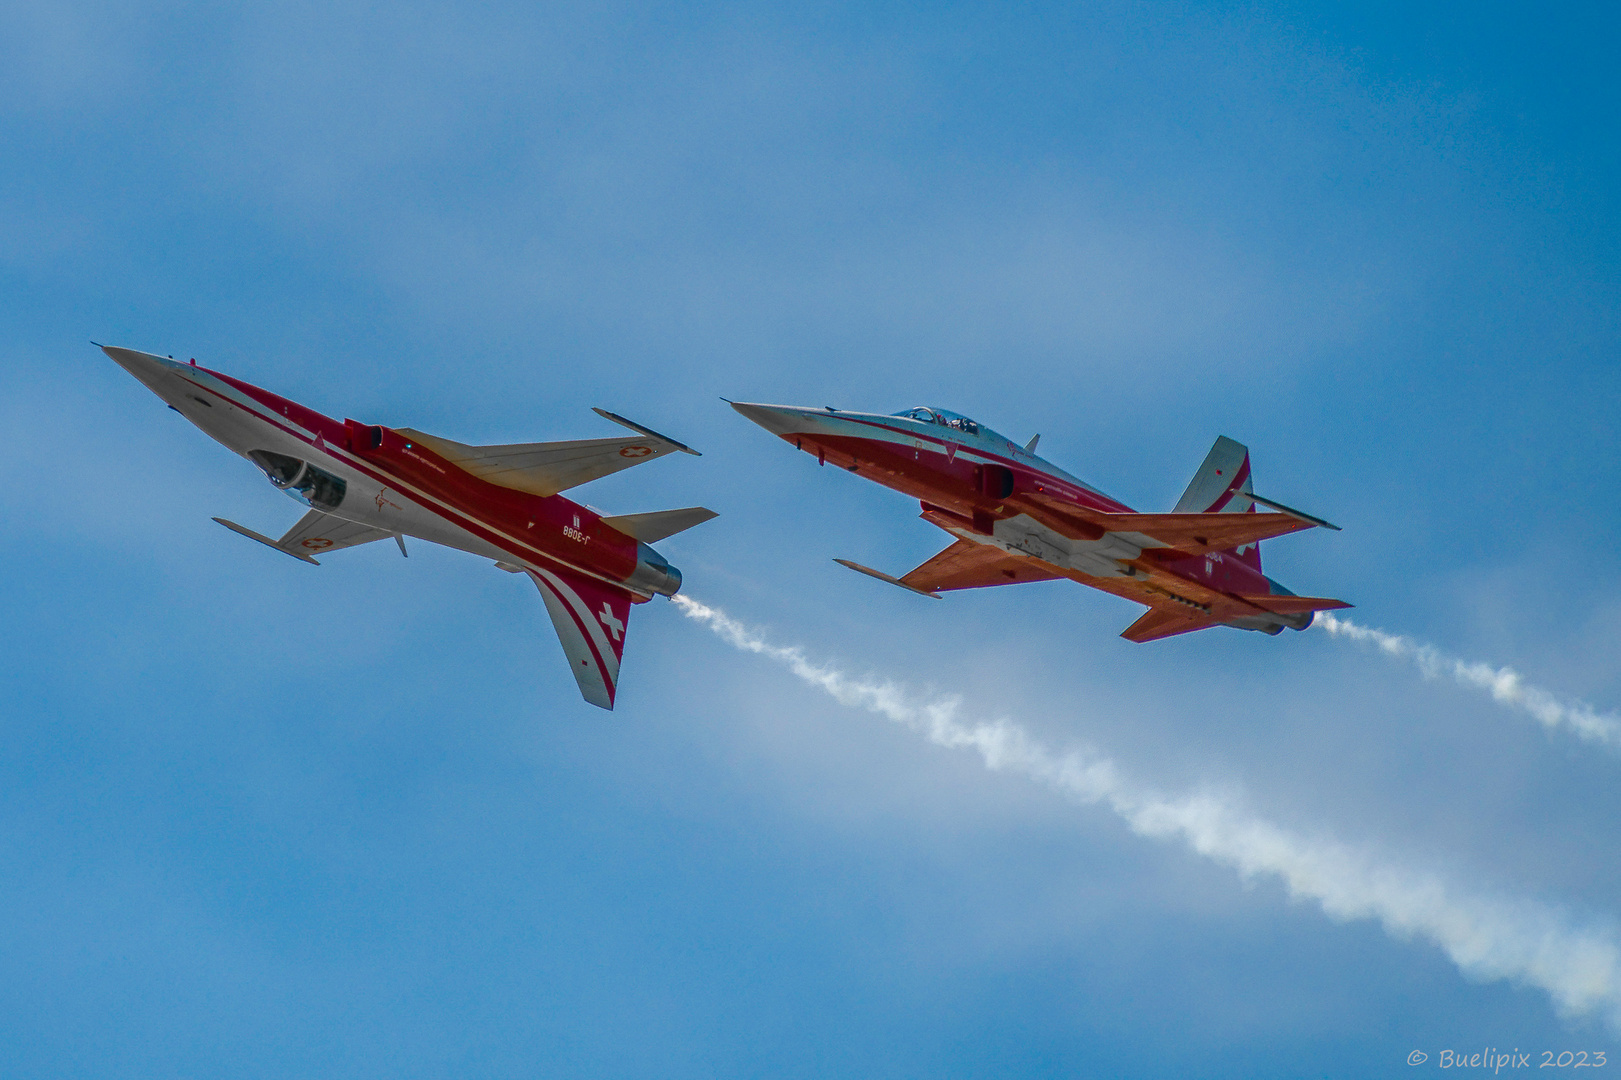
(1579, 967)
(1505, 685)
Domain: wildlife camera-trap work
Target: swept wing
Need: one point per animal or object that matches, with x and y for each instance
(316, 532)
(1285, 604)
(551, 467)
(1167, 621)
(1195, 533)
(963, 565)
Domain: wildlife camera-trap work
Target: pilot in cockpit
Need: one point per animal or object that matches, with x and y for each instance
(940, 416)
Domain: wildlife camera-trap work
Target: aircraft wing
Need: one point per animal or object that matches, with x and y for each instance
(1166, 621)
(316, 532)
(550, 467)
(1189, 532)
(1203, 532)
(967, 565)
(1284, 604)
(591, 618)
(963, 565)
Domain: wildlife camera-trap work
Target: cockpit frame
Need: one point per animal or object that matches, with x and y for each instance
(943, 417)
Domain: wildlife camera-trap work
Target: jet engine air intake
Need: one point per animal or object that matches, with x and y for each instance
(653, 573)
(994, 481)
(363, 438)
(315, 488)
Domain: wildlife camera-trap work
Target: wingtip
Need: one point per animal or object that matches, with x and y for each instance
(243, 530)
(1301, 515)
(881, 576)
(649, 432)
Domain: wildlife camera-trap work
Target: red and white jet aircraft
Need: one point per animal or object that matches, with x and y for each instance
(1019, 518)
(363, 482)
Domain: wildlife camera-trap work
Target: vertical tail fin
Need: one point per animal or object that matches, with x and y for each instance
(590, 619)
(1222, 486)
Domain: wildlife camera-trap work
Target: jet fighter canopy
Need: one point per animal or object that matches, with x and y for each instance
(946, 418)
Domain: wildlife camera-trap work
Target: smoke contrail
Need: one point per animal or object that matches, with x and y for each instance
(1504, 684)
(1579, 967)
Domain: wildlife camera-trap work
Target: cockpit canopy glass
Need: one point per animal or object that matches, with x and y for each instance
(942, 417)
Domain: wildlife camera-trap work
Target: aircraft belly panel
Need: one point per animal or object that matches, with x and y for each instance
(385, 506)
(1109, 571)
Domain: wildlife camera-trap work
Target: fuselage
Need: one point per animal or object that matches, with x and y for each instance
(375, 476)
(981, 486)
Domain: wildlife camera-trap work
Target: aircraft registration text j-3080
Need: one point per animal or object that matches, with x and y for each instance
(1019, 518)
(363, 482)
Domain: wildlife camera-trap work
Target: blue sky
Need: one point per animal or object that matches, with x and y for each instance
(262, 819)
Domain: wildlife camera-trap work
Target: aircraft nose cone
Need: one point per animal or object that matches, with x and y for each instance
(778, 419)
(151, 370)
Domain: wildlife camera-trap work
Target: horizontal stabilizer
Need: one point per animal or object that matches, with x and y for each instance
(1164, 622)
(590, 617)
(317, 532)
(550, 467)
(651, 528)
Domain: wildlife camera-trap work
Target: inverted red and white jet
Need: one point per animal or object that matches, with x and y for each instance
(1019, 518)
(364, 482)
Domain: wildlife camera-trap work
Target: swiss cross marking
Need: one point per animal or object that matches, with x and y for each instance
(611, 621)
